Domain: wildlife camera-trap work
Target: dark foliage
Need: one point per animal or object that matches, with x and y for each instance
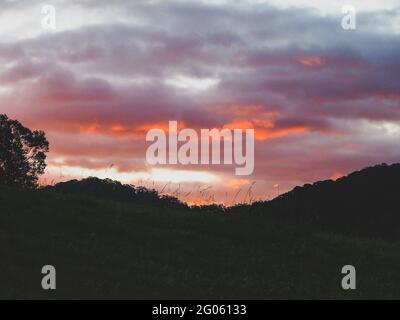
(365, 203)
(106, 249)
(22, 153)
(114, 190)
(212, 208)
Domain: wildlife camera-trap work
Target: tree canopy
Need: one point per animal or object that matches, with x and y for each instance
(22, 153)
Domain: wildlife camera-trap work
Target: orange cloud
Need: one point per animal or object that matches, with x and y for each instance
(237, 183)
(119, 130)
(337, 175)
(311, 61)
(92, 128)
(265, 129)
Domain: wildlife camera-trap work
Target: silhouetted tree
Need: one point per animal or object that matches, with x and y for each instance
(22, 153)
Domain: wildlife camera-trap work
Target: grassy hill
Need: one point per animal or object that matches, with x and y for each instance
(364, 203)
(115, 249)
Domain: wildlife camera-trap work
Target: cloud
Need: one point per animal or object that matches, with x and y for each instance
(308, 87)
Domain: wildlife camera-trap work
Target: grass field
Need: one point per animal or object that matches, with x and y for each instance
(105, 249)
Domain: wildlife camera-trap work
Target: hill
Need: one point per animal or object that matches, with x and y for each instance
(116, 191)
(363, 203)
(107, 248)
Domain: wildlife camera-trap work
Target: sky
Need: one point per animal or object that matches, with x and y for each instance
(323, 101)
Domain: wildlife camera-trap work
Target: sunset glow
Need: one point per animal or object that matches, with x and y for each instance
(323, 101)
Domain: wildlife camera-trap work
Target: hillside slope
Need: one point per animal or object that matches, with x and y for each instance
(365, 203)
(106, 249)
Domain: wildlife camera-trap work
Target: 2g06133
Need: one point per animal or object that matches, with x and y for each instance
(221, 310)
